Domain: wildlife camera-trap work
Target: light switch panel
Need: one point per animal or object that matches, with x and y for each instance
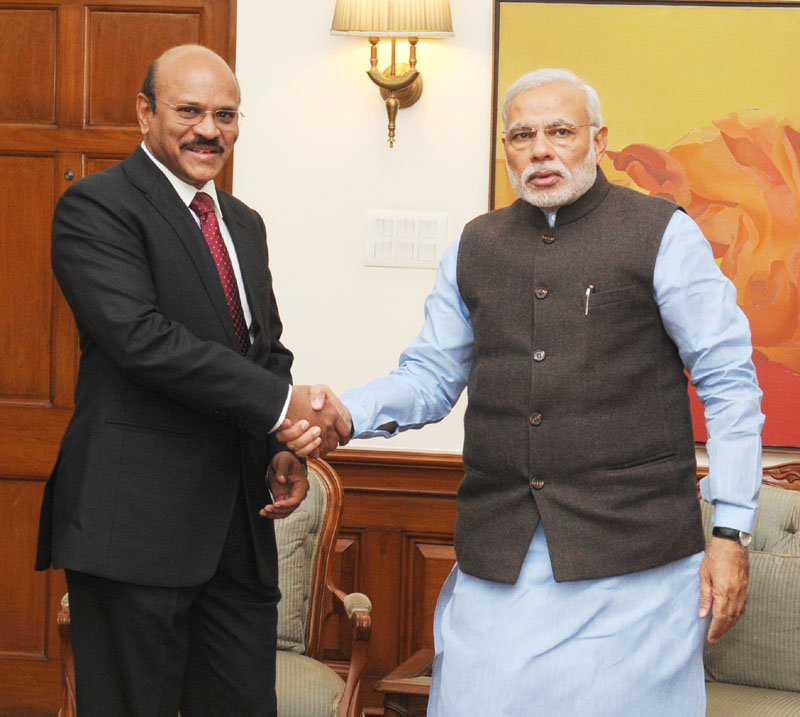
(407, 239)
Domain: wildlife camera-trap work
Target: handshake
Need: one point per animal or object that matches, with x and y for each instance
(316, 422)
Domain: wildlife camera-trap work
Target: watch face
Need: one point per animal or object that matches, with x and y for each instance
(745, 538)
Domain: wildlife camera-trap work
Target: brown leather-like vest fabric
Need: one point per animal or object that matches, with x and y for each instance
(577, 415)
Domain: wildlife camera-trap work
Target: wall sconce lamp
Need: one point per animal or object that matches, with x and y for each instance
(400, 84)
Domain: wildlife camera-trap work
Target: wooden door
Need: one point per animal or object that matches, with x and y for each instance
(69, 78)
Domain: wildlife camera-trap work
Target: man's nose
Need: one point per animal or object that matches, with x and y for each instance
(541, 147)
(206, 127)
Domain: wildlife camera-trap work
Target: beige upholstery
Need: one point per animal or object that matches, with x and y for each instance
(298, 537)
(306, 687)
(727, 700)
(755, 668)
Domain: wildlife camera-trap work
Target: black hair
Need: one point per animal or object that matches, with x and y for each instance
(148, 88)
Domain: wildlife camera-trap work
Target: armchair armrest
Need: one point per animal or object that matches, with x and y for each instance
(358, 609)
(356, 601)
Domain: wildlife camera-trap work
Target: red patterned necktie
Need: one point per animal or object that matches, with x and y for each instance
(203, 206)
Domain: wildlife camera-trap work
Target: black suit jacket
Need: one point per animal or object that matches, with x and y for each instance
(169, 418)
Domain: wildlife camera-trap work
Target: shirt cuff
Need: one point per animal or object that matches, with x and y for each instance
(727, 515)
(360, 415)
(283, 412)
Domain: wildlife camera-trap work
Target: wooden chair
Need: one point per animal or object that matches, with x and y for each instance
(306, 686)
(306, 541)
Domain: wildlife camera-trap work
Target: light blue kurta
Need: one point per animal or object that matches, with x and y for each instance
(616, 647)
(628, 646)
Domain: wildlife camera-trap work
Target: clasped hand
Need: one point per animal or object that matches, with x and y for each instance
(316, 422)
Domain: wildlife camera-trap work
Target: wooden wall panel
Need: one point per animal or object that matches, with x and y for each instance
(23, 600)
(28, 185)
(28, 600)
(127, 42)
(427, 565)
(402, 508)
(28, 49)
(97, 163)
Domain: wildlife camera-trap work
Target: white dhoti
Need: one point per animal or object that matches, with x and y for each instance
(612, 647)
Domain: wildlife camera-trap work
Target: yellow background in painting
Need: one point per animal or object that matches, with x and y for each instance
(660, 71)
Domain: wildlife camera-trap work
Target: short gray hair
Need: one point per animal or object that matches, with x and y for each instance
(551, 76)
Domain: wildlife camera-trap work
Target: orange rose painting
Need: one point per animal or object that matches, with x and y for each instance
(739, 179)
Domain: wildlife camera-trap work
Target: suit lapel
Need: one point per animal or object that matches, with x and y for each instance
(160, 193)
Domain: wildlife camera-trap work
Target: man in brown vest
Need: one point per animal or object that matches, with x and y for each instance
(583, 582)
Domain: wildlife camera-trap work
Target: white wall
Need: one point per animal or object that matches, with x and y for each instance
(313, 156)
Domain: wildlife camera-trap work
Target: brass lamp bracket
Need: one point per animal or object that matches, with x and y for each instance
(400, 84)
(409, 95)
(391, 82)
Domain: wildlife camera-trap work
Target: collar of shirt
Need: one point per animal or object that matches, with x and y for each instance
(550, 216)
(185, 190)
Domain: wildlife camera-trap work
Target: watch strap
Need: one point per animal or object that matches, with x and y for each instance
(744, 539)
(727, 533)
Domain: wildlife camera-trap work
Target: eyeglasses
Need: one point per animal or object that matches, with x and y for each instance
(559, 135)
(192, 115)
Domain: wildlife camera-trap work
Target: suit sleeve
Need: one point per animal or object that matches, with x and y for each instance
(106, 264)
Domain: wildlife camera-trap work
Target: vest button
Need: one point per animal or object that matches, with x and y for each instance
(547, 239)
(539, 355)
(536, 419)
(540, 293)
(537, 483)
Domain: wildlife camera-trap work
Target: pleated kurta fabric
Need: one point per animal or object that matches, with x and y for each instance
(623, 646)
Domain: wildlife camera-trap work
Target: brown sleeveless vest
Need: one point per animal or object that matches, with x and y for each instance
(578, 413)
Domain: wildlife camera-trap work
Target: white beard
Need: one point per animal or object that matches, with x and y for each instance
(575, 182)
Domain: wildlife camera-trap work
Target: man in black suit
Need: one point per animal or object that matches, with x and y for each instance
(159, 505)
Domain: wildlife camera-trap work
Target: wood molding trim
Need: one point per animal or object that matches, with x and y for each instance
(785, 475)
(398, 472)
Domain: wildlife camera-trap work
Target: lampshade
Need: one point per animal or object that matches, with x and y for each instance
(392, 18)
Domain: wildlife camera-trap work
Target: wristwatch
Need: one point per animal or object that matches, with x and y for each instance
(744, 539)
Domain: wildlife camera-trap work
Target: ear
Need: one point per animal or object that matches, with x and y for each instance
(600, 143)
(144, 113)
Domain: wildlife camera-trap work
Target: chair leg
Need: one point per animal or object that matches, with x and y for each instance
(68, 708)
(350, 704)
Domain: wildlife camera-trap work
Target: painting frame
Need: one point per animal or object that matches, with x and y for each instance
(518, 39)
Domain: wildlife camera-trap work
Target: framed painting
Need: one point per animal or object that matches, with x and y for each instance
(702, 102)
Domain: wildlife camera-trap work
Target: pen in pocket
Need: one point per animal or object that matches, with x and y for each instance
(589, 290)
